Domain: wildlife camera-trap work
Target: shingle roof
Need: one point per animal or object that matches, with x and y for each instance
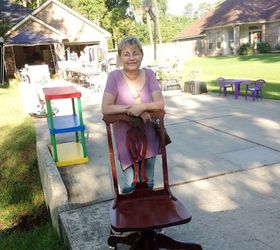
(30, 38)
(232, 12)
(12, 12)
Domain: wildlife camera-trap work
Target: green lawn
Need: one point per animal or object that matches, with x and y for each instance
(262, 66)
(24, 222)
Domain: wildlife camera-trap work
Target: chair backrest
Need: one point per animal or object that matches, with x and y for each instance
(221, 81)
(259, 84)
(136, 142)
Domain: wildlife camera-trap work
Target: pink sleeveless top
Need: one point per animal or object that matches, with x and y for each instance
(117, 86)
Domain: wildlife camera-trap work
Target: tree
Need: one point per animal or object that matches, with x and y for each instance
(219, 2)
(115, 19)
(189, 11)
(31, 4)
(162, 6)
(172, 25)
(92, 10)
(202, 9)
(136, 9)
(5, 25)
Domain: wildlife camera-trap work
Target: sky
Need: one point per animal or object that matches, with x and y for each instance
(177, 7)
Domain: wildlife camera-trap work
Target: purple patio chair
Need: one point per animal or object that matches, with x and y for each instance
(224, 85)
(255, 89)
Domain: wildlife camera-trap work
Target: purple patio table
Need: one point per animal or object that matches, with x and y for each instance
(236, 83)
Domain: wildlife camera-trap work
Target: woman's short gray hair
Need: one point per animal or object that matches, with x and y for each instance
(129, 41)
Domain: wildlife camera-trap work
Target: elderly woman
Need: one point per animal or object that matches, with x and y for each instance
(134, 91)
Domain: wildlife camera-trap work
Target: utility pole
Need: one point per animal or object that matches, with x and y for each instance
(149, 27)
(158, 22)
(148, 7)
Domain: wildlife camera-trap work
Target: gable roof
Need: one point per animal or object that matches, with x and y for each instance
(30, 38)
(195, 29)
(234, 12)
(32, 16)
(12, 12)
(74, 13)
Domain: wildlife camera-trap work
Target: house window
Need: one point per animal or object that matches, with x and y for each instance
(219, 39)
(210, 40)
(231, 39)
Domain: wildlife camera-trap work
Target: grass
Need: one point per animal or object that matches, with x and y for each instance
(261, 66)
(23, 215)
(41, 237)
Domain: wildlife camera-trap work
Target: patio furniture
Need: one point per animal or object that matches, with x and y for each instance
(137, 216)
(255, 88)
(224, 85)
(171, 83)
(68, 153)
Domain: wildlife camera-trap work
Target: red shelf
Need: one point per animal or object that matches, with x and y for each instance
(61, 92)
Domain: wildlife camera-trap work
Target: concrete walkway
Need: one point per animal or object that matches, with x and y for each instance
(224, 163)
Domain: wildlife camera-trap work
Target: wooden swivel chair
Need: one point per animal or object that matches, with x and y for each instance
(136, 216)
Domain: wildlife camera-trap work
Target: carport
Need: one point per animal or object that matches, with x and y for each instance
(31, 48)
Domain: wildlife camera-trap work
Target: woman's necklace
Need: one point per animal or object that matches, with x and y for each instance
(132, 82)
(133, 77)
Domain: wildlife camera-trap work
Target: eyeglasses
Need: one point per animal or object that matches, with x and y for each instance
(131, 55)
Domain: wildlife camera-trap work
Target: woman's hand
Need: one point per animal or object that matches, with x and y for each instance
(146, 116)
(136, 109)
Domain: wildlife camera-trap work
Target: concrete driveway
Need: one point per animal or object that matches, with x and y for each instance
(224, 164)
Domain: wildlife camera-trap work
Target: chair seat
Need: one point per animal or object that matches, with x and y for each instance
(255, 88)
(157, 210)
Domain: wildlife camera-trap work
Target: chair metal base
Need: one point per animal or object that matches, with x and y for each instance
(149, 240)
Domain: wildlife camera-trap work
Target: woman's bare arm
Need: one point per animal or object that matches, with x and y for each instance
(109, 107)
(156, 104)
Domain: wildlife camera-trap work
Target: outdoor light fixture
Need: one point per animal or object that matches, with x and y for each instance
(147, 6)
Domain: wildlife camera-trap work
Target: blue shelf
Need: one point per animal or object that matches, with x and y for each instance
(66, 124)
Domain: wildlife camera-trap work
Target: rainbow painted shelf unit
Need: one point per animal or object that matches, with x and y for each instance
(69, 153)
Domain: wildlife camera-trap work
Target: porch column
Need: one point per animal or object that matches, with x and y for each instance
(263, 38)
(236, 35)
(104, 46)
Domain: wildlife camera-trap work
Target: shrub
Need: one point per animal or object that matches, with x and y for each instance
(277, 47)
(263, 47)
(246, 49)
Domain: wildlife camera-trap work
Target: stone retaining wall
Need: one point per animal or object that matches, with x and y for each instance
(56, 196)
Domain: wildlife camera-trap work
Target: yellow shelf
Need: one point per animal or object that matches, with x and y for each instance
(70, 153)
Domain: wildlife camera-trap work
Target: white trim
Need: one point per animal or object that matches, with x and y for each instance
(273, 21)
(48, 26)
(35, 19)
(233, 24)
(45, 4)
(17, 25)
(29, 45)
(188, 37)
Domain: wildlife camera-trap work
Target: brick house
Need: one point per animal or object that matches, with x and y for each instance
(232, 23)
(52, 31)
